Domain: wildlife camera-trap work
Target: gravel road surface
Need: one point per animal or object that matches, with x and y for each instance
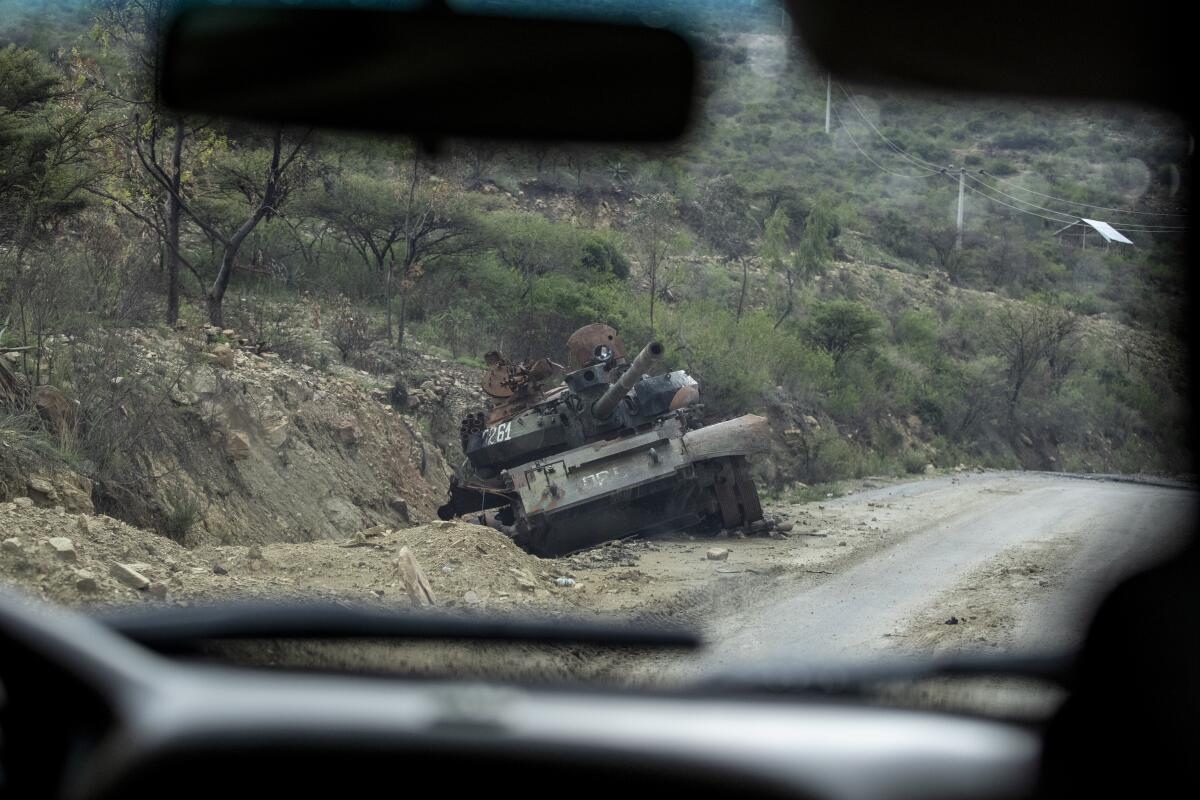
(963, 542)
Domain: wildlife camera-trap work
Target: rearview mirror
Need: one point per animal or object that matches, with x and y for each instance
(1072, 48)
(430, 74)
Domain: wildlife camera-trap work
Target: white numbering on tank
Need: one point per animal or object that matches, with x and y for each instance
(597, 479)
(497, 433)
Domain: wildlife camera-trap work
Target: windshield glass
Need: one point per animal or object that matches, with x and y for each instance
(846, 374)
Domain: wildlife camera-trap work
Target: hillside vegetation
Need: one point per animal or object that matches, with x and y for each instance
(813, 277)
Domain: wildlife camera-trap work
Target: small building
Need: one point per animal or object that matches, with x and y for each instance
(1081, 229)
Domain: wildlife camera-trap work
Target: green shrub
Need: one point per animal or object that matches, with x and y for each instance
(841, 327)
(182, 513)
(914, 461)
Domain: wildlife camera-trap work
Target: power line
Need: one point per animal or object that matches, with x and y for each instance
(1050, 214)
(1022, 210)
(867, 156)
(922, 163)
(1124, 226)
(1065, 219)
(1019, 200)
(1082, 205)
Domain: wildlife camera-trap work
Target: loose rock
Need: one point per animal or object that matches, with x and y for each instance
(128, 575)
(63, 547)
(717, 554)
(85, 581)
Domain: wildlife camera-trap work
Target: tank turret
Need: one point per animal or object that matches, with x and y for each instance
(628, 379)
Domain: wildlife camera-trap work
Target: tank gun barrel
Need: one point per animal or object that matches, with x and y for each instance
(644, 361)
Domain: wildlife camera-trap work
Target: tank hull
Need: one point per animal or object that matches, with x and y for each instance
(665, 478)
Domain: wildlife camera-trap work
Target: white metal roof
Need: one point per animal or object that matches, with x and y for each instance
(1108, 232)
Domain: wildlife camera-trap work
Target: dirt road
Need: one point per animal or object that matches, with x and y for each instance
(1008, 559)
(1013, 560)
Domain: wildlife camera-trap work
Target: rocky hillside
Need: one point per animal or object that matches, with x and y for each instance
(237, 445)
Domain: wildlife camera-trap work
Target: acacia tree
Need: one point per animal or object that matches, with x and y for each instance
(651, 229)
(842, 327)
(260, 187)
(776, 254)
(727, 223)
(50, 130)
(47, 137)
(366, 213)
(533, 246)
(812, 255)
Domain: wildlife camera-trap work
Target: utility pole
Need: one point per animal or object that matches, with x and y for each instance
(828, 98)
(961, 179)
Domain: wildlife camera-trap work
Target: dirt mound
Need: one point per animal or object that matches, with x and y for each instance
(466, 565)
(70, 558)
(82, 559)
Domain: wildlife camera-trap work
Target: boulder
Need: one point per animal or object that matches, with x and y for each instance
(276, 429)
(85, 580)
(400, 506)
(717, 554)
(182, 398)
(222, 356)
(58, 410)
(203, 381)
(41, 490)
(75, 493)
(237, 445)
(346, 431)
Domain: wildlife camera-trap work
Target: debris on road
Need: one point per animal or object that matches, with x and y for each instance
(128, 576)
(413, 578)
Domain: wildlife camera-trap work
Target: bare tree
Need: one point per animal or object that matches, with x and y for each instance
(137, 25)
(477, 160)
(941, 241)
(435, 225)
(651, 227)
(1028, 338)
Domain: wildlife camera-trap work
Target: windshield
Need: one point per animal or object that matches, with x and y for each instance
(847, 374)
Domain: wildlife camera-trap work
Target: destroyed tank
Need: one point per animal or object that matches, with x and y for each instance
(603, 450)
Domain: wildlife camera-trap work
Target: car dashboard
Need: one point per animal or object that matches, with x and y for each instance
(90, 714)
